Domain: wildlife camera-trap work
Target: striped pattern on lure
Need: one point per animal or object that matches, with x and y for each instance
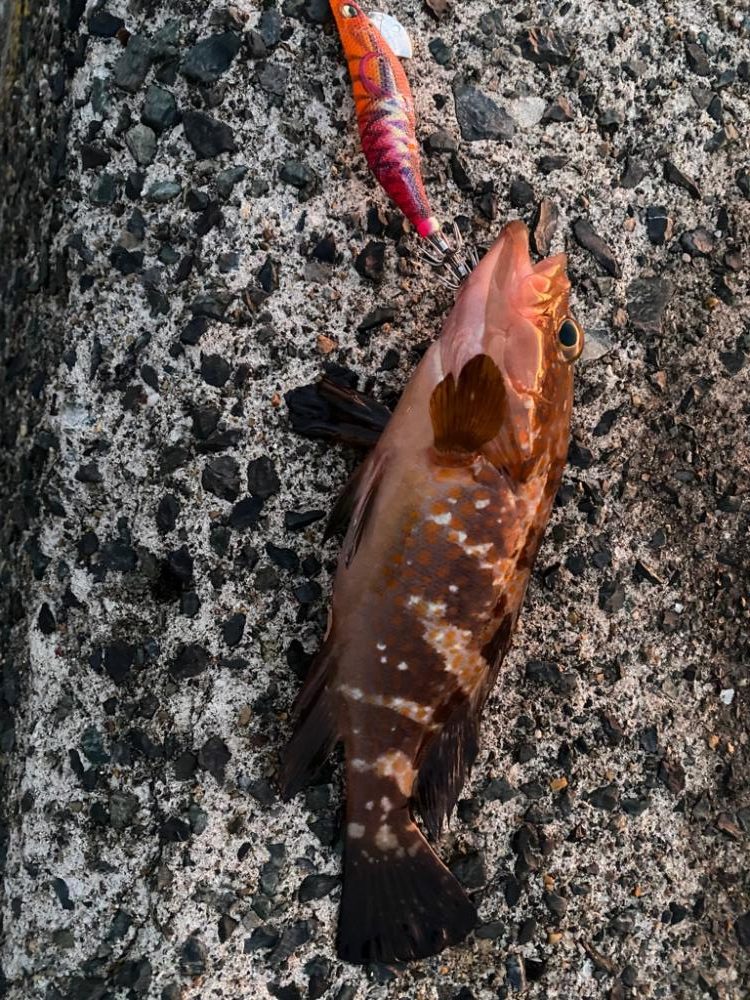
(386, 119)
(447, 514)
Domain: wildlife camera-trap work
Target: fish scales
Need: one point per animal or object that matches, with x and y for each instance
(449, 510)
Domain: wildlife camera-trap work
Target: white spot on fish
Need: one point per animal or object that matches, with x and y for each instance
(481, 504)
(385, 804)
(441, 518)
(369, 806)
(383, 659)
(453, 588)
(402, 665)
(355, 830)
(385, 838)
(360, 765)
(356, 694)
(381, 646)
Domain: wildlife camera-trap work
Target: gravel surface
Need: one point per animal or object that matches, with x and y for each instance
(189, 232)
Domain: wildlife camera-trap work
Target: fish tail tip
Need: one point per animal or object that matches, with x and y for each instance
(399, 908)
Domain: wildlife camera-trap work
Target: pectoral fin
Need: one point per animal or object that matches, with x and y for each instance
(468, 412)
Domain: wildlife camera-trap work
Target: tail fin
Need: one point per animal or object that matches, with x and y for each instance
(399, 901)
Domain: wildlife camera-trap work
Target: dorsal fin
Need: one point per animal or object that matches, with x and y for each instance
(468, 413)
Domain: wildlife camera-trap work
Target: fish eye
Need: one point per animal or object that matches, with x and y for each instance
(348, 10)
(570, 338)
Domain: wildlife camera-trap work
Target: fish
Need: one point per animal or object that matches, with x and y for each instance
(446, 515)
(387, 126)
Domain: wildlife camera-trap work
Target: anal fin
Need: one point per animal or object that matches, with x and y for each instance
(315, 734)
(445, 766)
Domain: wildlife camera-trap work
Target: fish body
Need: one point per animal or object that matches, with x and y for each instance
(448, 512)
(385, 115)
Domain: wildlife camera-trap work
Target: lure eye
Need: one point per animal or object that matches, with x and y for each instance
(570, 338)
(348, 10)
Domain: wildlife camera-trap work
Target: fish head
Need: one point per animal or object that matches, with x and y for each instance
(518, 312)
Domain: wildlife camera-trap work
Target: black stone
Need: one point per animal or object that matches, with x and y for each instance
(167, 512)
(102, 24)
(133, 65)
(174, 831)
(658, 224)
(160, 109)
(606, 797)
(262, 480)
(245, 513)
(213, 757)
(308, 592)
(221, 476)
(89, 473)
(591, 241)
(297, 520)
(193, 957)
(376, 318)
(233, 628)
(93, 157)
(478, 115)
(316, 887)
(207, 136)
(647, 300)
(469, 869)
(297, 174)
(191, 660)
(211, 57)
(273, 79)
(46, 620)
(215, 370)
(370, 262)
(674, 175)
(118, 660)
(696, 59)
(521, 192)
(611, 596)
(281, 557)
(742, 930)
(545, 47)
(185, 766)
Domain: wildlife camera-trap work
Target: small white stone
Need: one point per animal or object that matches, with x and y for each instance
(727, 696)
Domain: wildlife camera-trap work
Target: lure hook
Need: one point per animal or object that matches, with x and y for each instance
(457, 260)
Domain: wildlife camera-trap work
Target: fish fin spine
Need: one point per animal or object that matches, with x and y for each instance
(468, 412)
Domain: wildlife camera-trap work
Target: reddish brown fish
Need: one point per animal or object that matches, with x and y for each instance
(448, 512)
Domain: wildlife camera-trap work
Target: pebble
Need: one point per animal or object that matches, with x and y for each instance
(559, 110)
(207, 136)
(440, 52)
(591, 241)
(521, 192)
(161, 192)
(262, 478)
(674, 175)
(214, 756)
(193, 957)
(370, 262)
(696, 59)
(478, 116)
(647, 299)
(141, 141)
(297, 174)
(160, 110)
(545, 47)
(104, 190)
(221, 476)
(132, 67)
(269, 27)
(658, 224)
(273, 79)
(698, 242)
(317, 887)
(215, 370)
(211, 57)
(190, 660)
(544, 226)
(102, 24)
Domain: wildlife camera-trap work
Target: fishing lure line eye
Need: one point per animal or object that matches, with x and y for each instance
(570, 339)
(348, 11)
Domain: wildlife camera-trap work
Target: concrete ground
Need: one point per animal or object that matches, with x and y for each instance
(165, 278)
